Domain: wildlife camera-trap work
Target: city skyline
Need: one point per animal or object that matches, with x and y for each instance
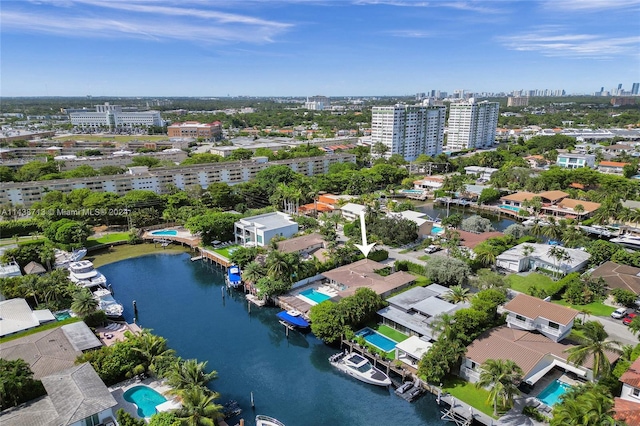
(297, 47)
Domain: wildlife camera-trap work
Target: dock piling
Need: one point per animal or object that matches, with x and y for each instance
(252, 403)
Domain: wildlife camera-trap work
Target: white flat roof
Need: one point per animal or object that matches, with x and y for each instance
(414, 346)
(268, 221)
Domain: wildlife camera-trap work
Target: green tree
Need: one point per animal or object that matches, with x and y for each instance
(594, 344)
(84, 303)
(588, 404)
(199, 408)
(213, 226)
(189, 374)
(270, 287)
(126, 419)
(17, 384)
(326, 322)
(154, 354)
(447, 271)
(502, 378)
(476, 224)
(457, 294)
(166, 418)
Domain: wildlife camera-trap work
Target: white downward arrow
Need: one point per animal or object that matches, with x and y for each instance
(364, 247)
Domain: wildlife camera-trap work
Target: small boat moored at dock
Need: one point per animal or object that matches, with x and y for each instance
(83, 274)
(629, 241)
(360, 368)
(234, 276)
(107, 303)
(262, 420)
(410, 391)
(293, 320)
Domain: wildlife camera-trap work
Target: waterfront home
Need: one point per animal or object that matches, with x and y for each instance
(575, 161)
(517, 199)
(259, 230)
(411, 350)
(351, 211)
(325, 203)
(75, 397)
(526, 312)
(306, 246)
(619, 276)
(17, 316)
(627, 406)
(421, 220)
(534, 353)
(412, 312)
(472, 239)
(536, 161)
(429, 183)
(484, 173)
(348, 278)
(612, 167)
(527, 256)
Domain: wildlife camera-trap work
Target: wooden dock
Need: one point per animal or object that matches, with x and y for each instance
(215, 258)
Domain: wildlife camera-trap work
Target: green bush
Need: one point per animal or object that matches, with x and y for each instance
(378, 255)
(532, 412)
(95, 319)
(556, 288)
(19, 227)
(405, 265)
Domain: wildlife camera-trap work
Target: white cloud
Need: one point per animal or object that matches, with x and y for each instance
(550, 43)
(590, 5)
(413, 33)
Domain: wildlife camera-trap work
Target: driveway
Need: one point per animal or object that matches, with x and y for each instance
(616, 330)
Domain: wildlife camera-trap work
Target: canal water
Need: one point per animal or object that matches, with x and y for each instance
(436, 211)
(291, 379)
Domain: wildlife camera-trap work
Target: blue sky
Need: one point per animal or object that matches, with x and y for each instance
(307, 47)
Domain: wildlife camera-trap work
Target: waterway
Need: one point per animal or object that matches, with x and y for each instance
(290, 378)
(436, 211)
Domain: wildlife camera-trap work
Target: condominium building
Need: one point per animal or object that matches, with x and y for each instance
(110, 116)
(409, 130)
(517, 101)
(162, 180)
(194, 129)
(472, 125)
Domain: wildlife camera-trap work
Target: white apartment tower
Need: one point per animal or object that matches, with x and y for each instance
(472, 125)
(409, 130)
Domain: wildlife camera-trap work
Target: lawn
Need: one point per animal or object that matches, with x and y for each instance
(109, 238)
(43, 327)
(522, 283)
(421, 280)
(226, 251)
(596, 308)
(467, 392)
(391, 333)
(117, 253)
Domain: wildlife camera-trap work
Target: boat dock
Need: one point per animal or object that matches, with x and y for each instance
(454, 201)
(195, 258)
(599, 231)
(214, 258)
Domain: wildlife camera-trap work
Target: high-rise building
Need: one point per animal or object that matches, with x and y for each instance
(409, 130)
(517, 101)
(472, 125)
(635, 89)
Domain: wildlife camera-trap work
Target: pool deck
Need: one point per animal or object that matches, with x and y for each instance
(109, 336)
(118, 390)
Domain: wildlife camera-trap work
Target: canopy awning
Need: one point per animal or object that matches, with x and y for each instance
(297, 320)
(556, 363)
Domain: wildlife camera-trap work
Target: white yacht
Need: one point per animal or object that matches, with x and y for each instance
(262, 420)
(107, 303)
(84, 274)
(359, 367)
(629, 241)
(64, 258)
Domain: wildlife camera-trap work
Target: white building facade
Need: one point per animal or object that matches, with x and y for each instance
(111, 116)
(409, 130)
(472, 125)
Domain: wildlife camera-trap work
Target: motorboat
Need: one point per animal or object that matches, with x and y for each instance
(360, 368)
(64, 258)
(84, 274)
(107, 303)
(293, 319)
(234, 277)
(262, 420)
(629, 241)
(78, 254)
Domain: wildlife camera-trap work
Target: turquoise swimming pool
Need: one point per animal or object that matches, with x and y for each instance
(552, 393)
(314, 295)
(412, 191)
(436, 230)
(167, 232)
(62, 315)
(376, 339)
(145, 398)
(512, 208)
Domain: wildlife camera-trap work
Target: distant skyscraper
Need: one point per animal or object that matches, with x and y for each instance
(635, 88)
(619, 91)
(517, 101)
(409, 130)
(472, 125)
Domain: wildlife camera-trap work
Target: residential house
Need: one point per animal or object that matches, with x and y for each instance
(612, 167)
(526, 312)
(429, 183)
(526, 256)
(306, 246)
(75, 397)
(424, 225)
(11, 269)
(411, 312)
(34, 268)
(555, 203)
(575, 161)
(348, 278)
(411, 350)
(536, 161)
(484, 173)
(351, 211)
(618, 149)
(619, 276)
(17, 316)
(517, 199)
(259, 230)
(627, 406)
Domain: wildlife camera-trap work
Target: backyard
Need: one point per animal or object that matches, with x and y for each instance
(107, 239)
(114, 254)
(467, 392)
(522, 283)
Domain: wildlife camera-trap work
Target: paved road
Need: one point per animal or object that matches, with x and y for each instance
(617, 330)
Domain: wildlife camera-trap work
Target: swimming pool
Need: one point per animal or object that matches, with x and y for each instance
(62, 315)
(145, 398)
(412, 191)
(171, 232)
(552, 393)
(376, 339)
(512, 208)
(436, 230)
(316, 296)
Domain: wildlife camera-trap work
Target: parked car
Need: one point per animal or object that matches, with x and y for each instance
(619, 313)
(627, 320)
(431, 249)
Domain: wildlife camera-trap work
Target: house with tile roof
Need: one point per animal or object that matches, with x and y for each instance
(619, 276)
(75, 397)
(627, 406)
(529, 313)
(612, 167)
(349, 278)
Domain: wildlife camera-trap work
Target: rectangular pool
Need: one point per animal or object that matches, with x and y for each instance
(436, 230)
(552, 393)
(376, 339)
(316, 296)
(512, 208)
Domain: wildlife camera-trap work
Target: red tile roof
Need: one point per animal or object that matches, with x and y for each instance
(612, 164)
(627, 412)
(632, 375)
(532, 307)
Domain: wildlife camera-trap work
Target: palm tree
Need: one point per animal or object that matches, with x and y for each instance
(153, 351)
(579, 209)
(558, 254)
(199, 408)
(83, 303)
(189, 374)
(29, 286)
(443, 324)
(572, 237)
(594, 343)
(537, 229)
(278, 266)
(457, 294)
(486, 254)
(502, 376)
(634, 326)
(553, 231)
(253, 271)
(589, 404)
